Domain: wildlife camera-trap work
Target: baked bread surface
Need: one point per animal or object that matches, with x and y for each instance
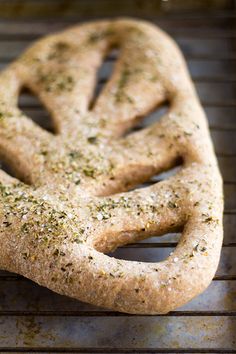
(73, 201)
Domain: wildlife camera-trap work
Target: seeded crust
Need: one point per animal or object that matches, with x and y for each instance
(75, 203)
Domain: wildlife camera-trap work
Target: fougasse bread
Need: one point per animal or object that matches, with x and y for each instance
(73, 198)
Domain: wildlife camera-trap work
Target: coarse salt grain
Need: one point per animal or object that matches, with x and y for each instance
(99, 216)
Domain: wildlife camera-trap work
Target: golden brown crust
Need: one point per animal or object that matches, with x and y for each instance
(56, 230)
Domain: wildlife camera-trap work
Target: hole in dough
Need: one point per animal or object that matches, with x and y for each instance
(167, 174)
(7, 167)
(31, 106)
(160, 176)
(154, 116)
(103, 74)
(153, 253)
(151, 118)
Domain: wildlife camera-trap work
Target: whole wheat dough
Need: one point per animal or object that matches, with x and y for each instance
(75, 203)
